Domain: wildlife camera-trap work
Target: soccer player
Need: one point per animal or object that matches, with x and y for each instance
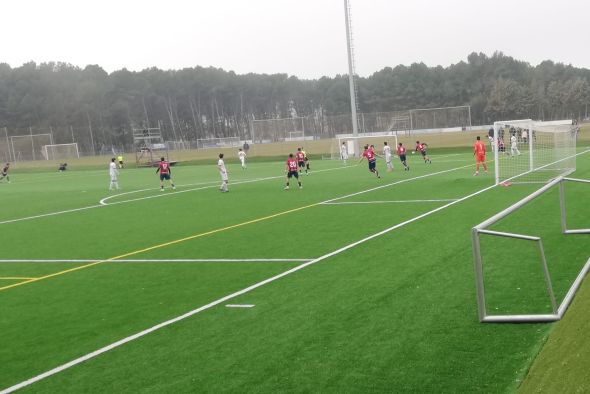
(513, 146)
(4, 173)
(242, 157)
(120, 160)
(114, 174)
(223, 174)
(306, 159)
(300, 156)
(165, 173)
(491, 139)
(370, 155)
(291, 171)
(387, 154)
(401, 152)
(343, 152)
(421, 147)
(501, 146)
(479, 151)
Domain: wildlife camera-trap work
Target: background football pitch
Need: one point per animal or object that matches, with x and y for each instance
(339, 304)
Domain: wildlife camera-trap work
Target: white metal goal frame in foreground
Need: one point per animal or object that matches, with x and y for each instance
(557, 311)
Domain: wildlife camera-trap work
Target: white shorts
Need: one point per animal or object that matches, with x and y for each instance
(223, 176)
(388, 159)
(113, 178)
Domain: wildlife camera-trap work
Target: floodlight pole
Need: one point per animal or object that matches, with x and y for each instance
(355, 130)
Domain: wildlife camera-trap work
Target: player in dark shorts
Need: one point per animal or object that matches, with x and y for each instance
(300, 156)
(165, 173)
(370, 154)
(5, 173)
(291, 170)
(401, 152)
(421, 147)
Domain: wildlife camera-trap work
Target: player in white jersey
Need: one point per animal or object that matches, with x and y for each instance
(491, 139)
(513, 146)
(114, 173)
(343, 152)
(242, 157)
(387, 155)
(223, 174)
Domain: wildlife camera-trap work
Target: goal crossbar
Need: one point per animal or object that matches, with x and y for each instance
(482, 228)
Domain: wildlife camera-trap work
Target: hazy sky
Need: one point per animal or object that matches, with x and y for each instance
(305, 38)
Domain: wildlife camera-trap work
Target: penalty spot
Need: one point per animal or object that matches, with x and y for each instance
(240, 305)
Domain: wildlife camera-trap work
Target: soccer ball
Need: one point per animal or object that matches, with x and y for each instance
(413, 151)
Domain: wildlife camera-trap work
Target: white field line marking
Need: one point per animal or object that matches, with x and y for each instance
(394, 183)
(120, 202)
(228, 297)
(103, 201)
(15, 278)
(240, 305)
(43, 215)
(263, 260)
(388, 202)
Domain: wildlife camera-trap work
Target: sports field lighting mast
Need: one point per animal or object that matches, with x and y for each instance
(351, 71)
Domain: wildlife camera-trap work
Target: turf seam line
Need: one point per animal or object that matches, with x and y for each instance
(230, 296)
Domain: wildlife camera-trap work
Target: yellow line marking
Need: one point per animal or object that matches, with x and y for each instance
(158, 246)
(14, 278)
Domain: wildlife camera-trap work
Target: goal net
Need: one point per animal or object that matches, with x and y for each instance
(273, 130)
(533, 152)
(60, 151)
(210, 143)
(343, 146)
(29, 146)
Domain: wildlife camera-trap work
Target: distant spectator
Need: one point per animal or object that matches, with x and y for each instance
(246, 147)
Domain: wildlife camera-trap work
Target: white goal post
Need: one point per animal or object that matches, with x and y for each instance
(224, 142)
(483, 228)
(29, 146)
(526, 151)
(60, 151)
(349, 140)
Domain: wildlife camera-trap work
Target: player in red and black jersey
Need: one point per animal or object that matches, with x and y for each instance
(371, 156)
(291, 170)
(300, 156)
(421, 147)
(401, 152)
(4, 173)
(165, 173)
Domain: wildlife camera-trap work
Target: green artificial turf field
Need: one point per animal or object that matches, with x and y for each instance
(338, 306)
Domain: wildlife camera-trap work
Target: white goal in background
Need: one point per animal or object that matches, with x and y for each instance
(29, 146)
(533, 152)
(60, 151)
(376, 139)
(209, 143)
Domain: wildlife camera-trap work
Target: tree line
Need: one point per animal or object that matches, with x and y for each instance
(99, 110)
